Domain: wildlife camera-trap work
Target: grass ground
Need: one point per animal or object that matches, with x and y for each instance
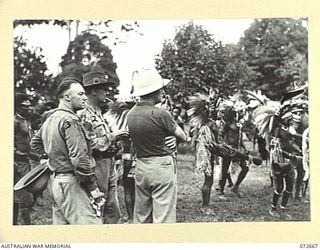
(252, 207)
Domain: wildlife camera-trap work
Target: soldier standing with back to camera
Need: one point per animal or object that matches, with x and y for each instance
(102, 142)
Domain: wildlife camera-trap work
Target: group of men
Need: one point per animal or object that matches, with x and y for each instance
(218, 135)
(80, 150)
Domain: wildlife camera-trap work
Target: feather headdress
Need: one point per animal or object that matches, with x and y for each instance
(256, 98)
(236, 104)
(263, 117)
(265, 110)
(202, 107)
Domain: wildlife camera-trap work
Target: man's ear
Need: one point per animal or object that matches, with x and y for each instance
(67, 97)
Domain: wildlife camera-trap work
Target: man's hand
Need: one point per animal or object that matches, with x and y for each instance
(171, 142)
(95, 194)
(97, 201)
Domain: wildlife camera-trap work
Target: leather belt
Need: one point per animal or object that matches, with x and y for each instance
(98, 155)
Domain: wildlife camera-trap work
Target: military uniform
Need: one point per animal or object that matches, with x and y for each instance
(101, 139)
(63, 138)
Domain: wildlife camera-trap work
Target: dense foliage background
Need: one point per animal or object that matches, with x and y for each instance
(272, 56)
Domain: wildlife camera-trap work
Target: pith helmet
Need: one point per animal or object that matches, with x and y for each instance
(146, 81)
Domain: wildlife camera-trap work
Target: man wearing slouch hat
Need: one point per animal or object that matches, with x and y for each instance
(103, 142)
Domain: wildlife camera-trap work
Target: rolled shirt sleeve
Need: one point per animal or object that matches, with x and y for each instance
(168, 121)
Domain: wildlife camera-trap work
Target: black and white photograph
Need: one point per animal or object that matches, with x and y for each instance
(161, 121)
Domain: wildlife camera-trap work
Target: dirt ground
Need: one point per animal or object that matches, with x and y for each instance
(252, 207)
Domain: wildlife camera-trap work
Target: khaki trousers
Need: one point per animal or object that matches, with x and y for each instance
(156, 190)
(107, 183)
(71, 204)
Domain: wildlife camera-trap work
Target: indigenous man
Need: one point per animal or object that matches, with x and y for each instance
(23, 200)
(72, 185)
(116, 117)
(96, 85)
(176, 111)
(272, 118)
(230, 133)
(155, 176)
(203, 113)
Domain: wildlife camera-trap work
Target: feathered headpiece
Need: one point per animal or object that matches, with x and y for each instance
(236, 105)
(203, 107)
(265, 111)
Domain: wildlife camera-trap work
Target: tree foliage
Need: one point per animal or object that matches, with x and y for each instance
(191, 60)
(270, 56)
(30, 71)
(196, 62)
(276, 50)
(85, 53)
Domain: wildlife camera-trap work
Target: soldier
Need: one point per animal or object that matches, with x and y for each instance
(72, 186)
(96, 84)
(116, 118)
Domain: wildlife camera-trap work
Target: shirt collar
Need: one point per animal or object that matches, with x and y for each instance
(65, 107)
(144, 103)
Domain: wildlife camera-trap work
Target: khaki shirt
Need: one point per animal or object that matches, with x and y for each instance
(96, 127)
(63, 138)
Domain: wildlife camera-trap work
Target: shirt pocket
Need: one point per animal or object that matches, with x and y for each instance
(100, 130)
